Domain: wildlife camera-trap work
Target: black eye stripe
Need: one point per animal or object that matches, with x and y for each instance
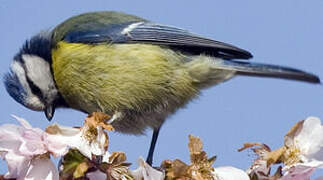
(34, 89)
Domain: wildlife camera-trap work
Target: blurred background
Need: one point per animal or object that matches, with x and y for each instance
(242, 110)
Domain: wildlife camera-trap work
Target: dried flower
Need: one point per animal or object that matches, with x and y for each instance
(200, 167)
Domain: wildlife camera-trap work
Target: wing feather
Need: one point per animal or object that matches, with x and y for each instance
(152, 33)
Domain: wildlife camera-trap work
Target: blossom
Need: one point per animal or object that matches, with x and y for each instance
(301, 153)
(304, 148)
(298, 172)
(82, 139)
(229, 173)
(26, 152)
(90, 139)
(146, 172)
(120, 171)
(41, 168)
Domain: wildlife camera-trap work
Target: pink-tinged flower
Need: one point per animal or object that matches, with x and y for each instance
(17, 164)
(22, 146)
(25, 151)
(41, 168)
(298, 172)
(25, 168)
(146, 172)
(304, 149)
(229, 173)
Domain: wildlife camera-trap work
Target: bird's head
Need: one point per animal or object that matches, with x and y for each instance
(30, 80)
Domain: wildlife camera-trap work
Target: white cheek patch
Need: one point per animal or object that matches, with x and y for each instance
(38, 71)
(31, 100)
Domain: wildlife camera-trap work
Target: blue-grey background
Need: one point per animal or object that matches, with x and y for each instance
(242, 110)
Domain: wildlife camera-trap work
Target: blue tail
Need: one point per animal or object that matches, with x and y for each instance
(266, 70)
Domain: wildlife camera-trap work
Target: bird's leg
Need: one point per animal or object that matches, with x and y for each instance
(149, 159)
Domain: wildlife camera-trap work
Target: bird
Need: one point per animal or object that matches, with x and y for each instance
(139, 71)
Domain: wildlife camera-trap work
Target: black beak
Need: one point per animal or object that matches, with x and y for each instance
(49, 112)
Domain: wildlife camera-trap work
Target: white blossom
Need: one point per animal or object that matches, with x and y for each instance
(84, 140)
(230, 173)
(304, 151)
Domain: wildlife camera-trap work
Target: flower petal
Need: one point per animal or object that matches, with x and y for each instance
(146, 172)
(10, 137)
(32, 142)
(16, 165)
(230, 173)
(42, 169)
(310, 139)
(22, 121)
(23, 140)
(97, 145)
(106, 157)
(76, 138)
(299, 172)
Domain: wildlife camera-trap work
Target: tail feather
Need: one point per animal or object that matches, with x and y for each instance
(266, 70)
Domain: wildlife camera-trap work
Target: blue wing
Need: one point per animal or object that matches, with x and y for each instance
(147, 32)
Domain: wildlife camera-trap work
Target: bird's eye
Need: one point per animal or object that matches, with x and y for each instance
(35, 90)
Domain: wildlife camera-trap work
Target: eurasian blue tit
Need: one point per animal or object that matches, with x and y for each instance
(138, 71)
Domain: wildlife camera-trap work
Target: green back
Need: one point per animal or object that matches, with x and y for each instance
(91, 21)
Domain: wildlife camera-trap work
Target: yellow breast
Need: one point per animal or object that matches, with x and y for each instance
(120, 76)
